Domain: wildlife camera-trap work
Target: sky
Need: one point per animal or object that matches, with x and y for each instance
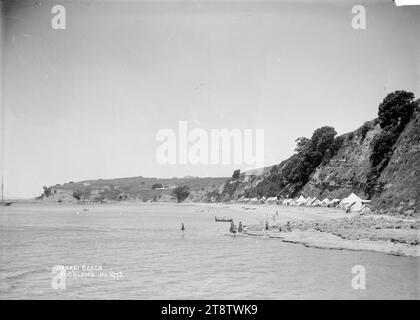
(87, 102)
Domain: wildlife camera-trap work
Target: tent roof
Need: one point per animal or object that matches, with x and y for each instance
(301, 198)
(350, 199)
(316, 202)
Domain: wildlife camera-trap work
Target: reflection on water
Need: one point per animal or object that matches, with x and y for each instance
(144, 243)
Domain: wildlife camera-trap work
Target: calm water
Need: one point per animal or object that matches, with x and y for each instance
(144, 244)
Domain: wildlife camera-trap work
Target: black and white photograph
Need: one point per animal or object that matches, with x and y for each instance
(210, 150)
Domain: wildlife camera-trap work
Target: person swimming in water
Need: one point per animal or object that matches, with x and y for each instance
(182, 226)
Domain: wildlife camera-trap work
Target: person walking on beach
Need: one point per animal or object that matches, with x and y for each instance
(266, 225)
(240, 228)
(182, 227)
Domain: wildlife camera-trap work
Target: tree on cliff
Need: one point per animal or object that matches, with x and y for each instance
(295, 172)
(310, 153)
(47, 191)
(236, 174)
(394, 112)
(181, 193)
(396, 109)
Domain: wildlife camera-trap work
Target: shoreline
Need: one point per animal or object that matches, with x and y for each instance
(333, 229)
(316, 227)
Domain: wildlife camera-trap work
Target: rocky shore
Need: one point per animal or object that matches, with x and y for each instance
(372, 233)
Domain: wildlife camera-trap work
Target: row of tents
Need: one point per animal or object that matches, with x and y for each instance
(351, 203)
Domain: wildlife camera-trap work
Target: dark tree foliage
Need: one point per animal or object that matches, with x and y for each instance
(396, 109)
(364, 129)
(47, 191)
(181, 193)
(382, 146)
(310, 154)
(236, 174)
(77, 194)
(157, 186)
(297, 170)
(269, 187)
(230, 187)
(274, 169)
(333, 149)
(302, 144)
(213, 194)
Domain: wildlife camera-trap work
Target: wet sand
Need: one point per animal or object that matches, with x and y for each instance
(331, 228)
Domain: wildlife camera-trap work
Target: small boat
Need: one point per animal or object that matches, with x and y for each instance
(5, 204)
(222, 219)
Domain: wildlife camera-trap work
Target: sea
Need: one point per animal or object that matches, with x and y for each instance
(138, 251)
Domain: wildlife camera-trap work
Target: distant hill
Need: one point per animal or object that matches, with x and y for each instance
(130, 189)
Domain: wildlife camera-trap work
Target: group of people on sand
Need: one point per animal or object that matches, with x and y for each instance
(286, 228)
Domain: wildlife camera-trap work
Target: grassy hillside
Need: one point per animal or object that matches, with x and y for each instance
(134, 188)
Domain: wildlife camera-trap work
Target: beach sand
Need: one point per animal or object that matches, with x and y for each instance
(330, 228)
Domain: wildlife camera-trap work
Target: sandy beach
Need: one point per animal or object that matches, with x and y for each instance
(331, 228)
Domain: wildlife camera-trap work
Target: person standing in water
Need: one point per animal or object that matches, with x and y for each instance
(182, 226)
(232, 227)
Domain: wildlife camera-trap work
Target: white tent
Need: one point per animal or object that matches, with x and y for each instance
(271, 200)
(325, 202)
(350, 200)
(309, 201)
(316, 203)
(286, 202)
(360, 206)
(334, 202)
(300, 200)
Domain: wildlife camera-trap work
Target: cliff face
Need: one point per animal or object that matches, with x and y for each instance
(347, 171)
(401, 178)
